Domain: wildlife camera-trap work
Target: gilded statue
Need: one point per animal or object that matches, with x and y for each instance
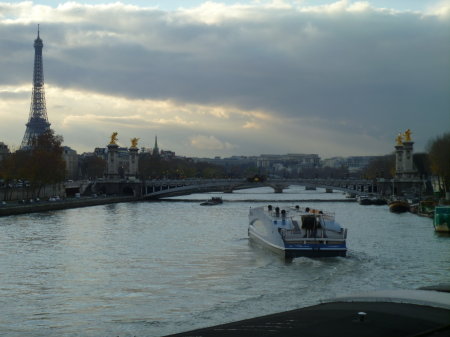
(134, 142)
(399, 139)
(408, 135)
(113, 138)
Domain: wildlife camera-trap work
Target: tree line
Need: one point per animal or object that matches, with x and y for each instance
(40, 165)
(157, 167)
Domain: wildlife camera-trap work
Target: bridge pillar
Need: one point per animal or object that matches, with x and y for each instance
(229, 189)
(133, 163)
(278, 188)
(112, 161)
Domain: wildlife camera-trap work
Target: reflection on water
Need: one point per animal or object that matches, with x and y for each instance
(150, 269)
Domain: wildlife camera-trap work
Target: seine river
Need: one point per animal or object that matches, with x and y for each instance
(156, 268)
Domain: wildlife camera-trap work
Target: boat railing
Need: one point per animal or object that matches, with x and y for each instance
(318, 212)
(328, 216)
(282, 213)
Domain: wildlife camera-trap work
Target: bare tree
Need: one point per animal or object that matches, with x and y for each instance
(93, 167)
(46, 165)
(439, 155)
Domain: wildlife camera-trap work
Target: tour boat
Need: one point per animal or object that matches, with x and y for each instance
(296, 232)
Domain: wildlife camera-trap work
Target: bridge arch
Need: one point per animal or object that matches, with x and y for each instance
(161, 189)
(128, 190)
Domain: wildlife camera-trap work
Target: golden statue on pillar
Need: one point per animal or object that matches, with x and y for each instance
(134, 142)
(399, 139)
(113, 138)
(408, 135)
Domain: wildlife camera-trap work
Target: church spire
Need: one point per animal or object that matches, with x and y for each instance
(155, 148)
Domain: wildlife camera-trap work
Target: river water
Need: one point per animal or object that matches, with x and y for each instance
(156, 268)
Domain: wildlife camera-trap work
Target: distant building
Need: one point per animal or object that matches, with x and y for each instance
(99, 152)
(268, 163)
(146, 150)
(290, 163)
(165, 154)
(4, 150)
(230, 161)
(357, 163)
(155, 151)
(71, 158)
(353, 163)
(334, 162)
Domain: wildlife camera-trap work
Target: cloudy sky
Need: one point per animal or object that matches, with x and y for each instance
(225, 77)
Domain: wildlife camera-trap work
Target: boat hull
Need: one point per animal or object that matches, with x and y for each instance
(314, 252)
(398, 206)
(290, 251)
(365, 202)
(379, 201)
(442, 228)
(442, 219)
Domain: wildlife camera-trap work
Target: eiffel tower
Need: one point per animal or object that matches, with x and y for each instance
(37, 122)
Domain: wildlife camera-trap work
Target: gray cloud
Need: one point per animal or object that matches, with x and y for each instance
(365, 72)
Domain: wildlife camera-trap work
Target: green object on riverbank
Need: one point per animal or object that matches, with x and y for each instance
(442, 219)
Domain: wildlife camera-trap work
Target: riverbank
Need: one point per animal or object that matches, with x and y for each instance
(14, 208)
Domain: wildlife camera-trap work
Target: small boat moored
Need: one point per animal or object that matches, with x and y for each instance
(378, 201)
(426, 208)
(441, 220)
(364, 200)
(297, 232)
(371, 200)
(398, 206)
(213, 201)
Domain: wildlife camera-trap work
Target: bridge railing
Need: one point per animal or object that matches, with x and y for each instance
(165, 187)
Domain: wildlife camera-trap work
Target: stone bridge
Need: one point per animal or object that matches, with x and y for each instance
(156, 189)
(168, 188)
